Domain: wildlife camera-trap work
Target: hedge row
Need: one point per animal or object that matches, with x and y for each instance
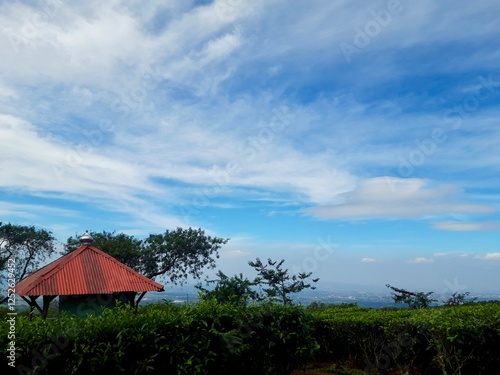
(206, 338)
(209, 338)
(441, 340)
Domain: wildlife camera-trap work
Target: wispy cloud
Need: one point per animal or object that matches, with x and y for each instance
(370, 260)
(489, 256)
(421, 260)
(450, 254)
(459, 226)
(391, 197)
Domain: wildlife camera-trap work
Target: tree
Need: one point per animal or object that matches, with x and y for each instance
(279, 282)
(235, 289)
(458, 299)
(414, 300)
(27, 245)
(174, 254)
(180, 253)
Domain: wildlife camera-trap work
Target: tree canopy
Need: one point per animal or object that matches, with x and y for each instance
(236, 289)
(28, 245)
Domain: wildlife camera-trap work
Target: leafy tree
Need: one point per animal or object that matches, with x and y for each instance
(180, 253)
(27, 245)
(174, 254)
(458, 299)
(414, 300)
(235, 289)
(279, 282)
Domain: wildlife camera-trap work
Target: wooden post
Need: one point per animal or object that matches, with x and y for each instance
(46, 303)
(139, 300)
(32, 304)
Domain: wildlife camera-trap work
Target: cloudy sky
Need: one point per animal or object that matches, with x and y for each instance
(358, 141)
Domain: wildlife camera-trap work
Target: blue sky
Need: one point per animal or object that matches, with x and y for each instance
(356, 140)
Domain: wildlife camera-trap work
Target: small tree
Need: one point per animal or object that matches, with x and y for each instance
(458, 299)
(235, 289)
(414, 300)
(279, 282)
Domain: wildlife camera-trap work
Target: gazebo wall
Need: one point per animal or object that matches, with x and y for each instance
(84, 304)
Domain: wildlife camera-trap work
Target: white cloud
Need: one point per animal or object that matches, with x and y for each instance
(459, 226)
(31, 211)
(370, 260)
(391, 197)
(421, 260)
(489, 256)
(450, 254)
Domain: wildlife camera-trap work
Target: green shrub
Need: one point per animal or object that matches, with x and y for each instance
(206, 338)
(265, 339)
(441, 340)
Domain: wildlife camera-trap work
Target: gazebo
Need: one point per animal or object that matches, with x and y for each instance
(86, 280)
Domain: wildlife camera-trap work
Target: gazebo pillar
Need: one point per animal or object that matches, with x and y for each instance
(46, 303)
(131, 298)
(33, 304)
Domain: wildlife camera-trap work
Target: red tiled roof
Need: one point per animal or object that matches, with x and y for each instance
(87, 270)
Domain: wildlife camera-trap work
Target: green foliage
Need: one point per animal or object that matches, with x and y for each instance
(207, 338)
(414, 300)
(28, 245)
(268, 339)
(180, 253)
(438, 340)
(175, 254)
(280, 284)
(235, 289)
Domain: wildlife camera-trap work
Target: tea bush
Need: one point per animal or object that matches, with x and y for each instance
(207, 338)
(268, 339)
(441, 340)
